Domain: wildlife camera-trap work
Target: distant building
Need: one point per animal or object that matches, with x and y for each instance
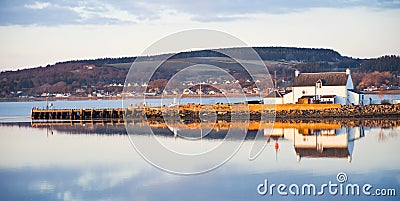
(212, 92)
(89, 66)
(80, 90)
(187, 91)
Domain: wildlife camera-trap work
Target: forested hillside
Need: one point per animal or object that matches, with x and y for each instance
(86, 76)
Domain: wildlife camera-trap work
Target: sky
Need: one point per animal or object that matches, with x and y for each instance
(41, 32)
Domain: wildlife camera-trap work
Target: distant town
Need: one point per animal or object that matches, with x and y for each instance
(298, 75)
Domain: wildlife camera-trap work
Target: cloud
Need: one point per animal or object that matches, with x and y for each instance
(105, 179)
(220, 18)
(37, 5)
(42, 186)
(212, 9)
(60, 12)
(101, 12)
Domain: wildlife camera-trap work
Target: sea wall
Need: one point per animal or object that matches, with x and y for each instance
(348, 111)
(293, 111)
(235, 112)
(280, 107)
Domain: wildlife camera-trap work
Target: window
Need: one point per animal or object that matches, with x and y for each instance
(318, 84)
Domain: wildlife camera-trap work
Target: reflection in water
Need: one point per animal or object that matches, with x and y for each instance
(219, 125)
(317, 140)
(310, 139)
(94, 160)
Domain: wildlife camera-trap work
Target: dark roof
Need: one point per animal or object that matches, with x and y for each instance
(274, 94)
(328, 79)
(253, 102)
(308, 96)
(326, 153)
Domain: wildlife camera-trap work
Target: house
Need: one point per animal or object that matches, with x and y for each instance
(325, 87)
(187, 91)
(89, 66)
(212, 92)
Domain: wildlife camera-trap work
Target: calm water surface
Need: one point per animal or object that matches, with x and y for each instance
(9, 110)
(86, 161)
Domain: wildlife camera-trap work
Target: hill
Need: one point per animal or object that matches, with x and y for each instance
(107, 75)
(266, 53)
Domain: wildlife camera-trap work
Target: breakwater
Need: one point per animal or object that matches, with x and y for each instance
(195, 112)
(347, 111)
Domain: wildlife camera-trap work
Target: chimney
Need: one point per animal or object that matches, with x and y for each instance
(348, 71)
(296, 73)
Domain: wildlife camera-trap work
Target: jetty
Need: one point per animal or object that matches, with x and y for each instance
(194, 112)
(77, 114)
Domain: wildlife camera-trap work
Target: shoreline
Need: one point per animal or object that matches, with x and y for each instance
(80, 98)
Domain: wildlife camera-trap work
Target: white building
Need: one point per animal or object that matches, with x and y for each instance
(320, 87)
(330, 87)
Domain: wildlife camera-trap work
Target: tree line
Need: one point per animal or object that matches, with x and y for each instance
(68, 76)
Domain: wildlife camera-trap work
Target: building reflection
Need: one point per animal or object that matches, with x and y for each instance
(316, 140)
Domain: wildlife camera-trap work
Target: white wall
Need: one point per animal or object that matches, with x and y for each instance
(276, 100)
(339, 91)
(354, 98)
(288, 98)
(355, 133)
(288, 133)
(328, 141)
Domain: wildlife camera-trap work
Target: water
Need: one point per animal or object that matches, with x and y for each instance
(23, 109)
(96, 161)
